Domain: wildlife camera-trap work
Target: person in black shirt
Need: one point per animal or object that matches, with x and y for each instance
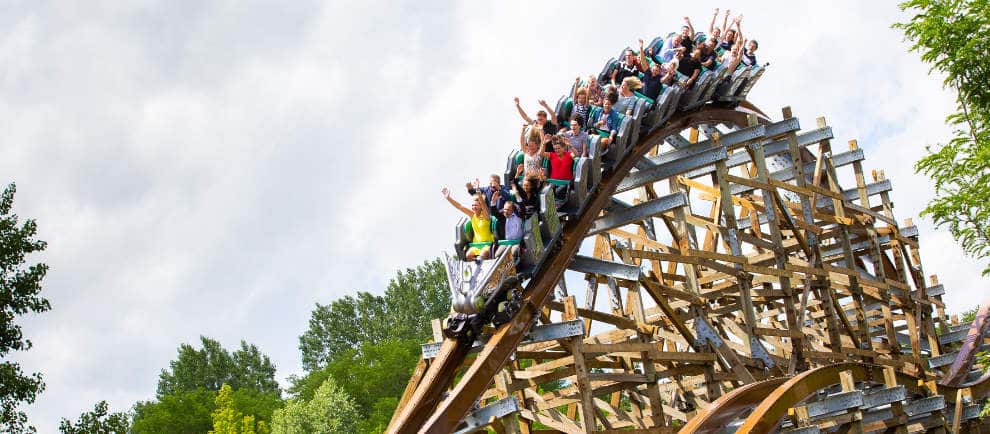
(687, 35)
(689, 67)
(656, 76)
(628, 67)
(749, 58)
(526, 195)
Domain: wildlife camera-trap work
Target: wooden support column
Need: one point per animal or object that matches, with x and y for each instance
(656, 418)
(848, 383)
(581, 372)
(744, 280)
(796, 335)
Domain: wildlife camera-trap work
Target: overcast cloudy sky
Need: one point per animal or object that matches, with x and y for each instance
(216, 168)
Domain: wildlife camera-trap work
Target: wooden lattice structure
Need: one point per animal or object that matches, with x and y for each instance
(743, 274)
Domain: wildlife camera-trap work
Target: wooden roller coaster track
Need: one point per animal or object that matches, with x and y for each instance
(747, 291)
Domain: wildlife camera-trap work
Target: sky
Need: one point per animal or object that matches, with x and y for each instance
(218, 168)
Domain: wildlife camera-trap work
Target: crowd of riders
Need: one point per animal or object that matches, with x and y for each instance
(550, 146)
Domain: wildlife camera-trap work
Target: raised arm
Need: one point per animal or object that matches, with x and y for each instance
(550, 111)
(446, 195)
(522, 138)
(711, 26)
(687, 21)
(725, 21)
(521, 111)
(642, 58)
(577, 85)
(738, 22)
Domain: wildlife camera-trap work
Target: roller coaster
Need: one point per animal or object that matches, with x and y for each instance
(745, 289)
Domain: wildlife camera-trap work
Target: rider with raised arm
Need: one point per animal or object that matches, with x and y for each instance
(526, 195)
(733, 57)
(654, 78)
(687, 35)
(715, 32)
(730, 36)
(628, 67)
(580, 99)
(549, 128)
(532, 163)
(481, 225)
(495, 193)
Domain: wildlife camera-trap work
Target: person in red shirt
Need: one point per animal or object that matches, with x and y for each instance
(561, 164)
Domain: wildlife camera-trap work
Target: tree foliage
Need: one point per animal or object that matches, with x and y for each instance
(329, 410)
(188, 389)
(412, 299)
(183, 413)
(227, 419)
(369, 345)
(98, 421)
(20, 286)
(212, 366)
(954, 37)
(375, 375)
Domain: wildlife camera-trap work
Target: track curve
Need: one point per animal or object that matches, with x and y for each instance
(418, 411)
(732, 406)
(770, 400)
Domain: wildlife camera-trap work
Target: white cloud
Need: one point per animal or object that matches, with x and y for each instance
(219, 168)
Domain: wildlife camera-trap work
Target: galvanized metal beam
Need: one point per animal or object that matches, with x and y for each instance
(637, 213)
(585, 264)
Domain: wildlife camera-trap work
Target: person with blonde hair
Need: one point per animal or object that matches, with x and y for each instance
(481, 225)
(627, 99)
(532, 160)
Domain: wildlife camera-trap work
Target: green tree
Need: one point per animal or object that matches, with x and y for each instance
(20, 286)
(98, 421)
(329, 410)
(969, 315)
(187, 390)
(183, 412)
(954, 37)
(213, 366)
(375, 375)
(227, 419)
(412, 299)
